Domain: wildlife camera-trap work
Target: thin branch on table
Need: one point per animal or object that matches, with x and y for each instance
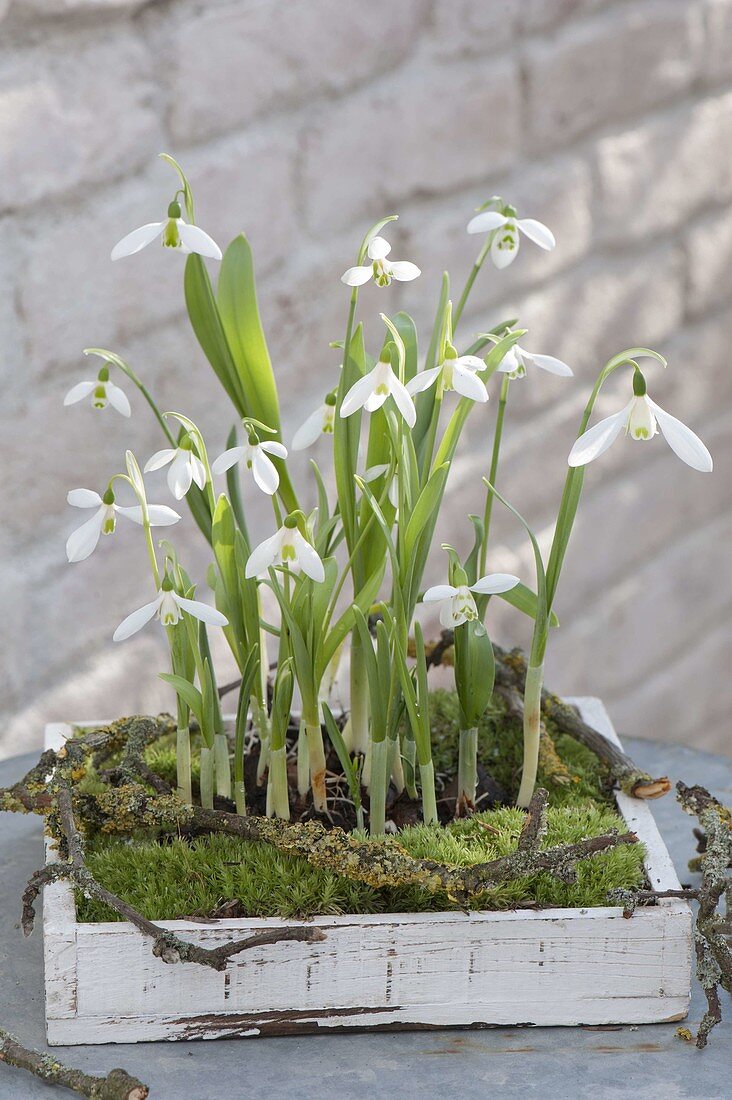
(117, 1085)
(534, 827)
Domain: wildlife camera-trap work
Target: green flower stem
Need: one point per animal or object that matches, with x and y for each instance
(240, 792)
(262, 723)
(207, 777)
(378, 786)
(356, 733)
(467, 772)
(429, 798)
(183, 760)
(303, 762)
(409, 763)
(532, 732)
(316, 757)
(457, 312)
(278, 802)
(223, 766)
(497, 437)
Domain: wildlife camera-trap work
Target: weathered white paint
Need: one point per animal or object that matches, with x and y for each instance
(555, 966)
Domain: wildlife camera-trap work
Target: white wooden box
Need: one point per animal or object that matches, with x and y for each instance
(401, 971)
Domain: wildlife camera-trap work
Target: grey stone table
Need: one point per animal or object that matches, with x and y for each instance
(639, 1062)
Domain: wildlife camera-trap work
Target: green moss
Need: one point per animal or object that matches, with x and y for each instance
(182, 878)
(500, 748)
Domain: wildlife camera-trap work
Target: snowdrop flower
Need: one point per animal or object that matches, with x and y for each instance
(286, 547)
(103, 393)
(458, 603)
(83, 541)
(456, 372)
(185, 467)
(371, 391)
(641, 418)
(254, 455)
(175, 233)
(516, 360)
(375, 472)
(318, 423)
(168, 606)
(505, 227)
(380, 269)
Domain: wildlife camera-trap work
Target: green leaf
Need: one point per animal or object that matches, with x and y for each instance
(239, 313)
(206, 323)
(407, 329)
(523, 599)
(474, 671)
(190, 695)
(427, 505)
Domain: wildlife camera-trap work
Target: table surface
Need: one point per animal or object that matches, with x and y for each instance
(642, 1062)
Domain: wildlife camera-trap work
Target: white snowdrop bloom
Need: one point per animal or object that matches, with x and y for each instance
(103, 392)
(175, 233)
(255, 457)
(83, 541)
(319, 423)
(516, 360)
(168, 606)
(375, 472)
(641, 418)
(286, 547)
(505, 228)
(381, 270)
(458, 603)
(185, 467)
(456, 372)
(371, 391)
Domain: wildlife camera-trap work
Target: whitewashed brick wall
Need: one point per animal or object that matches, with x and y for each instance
(302, 123)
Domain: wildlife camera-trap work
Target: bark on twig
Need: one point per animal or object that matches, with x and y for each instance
(117, 1085)
(535, 824)
(166, 945)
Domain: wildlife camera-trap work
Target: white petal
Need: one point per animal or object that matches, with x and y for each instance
(374, 401)
(375, 472)
(439, 592)
(228, 459)
(486, 221)
(160, 458)
(310, 563)
(136, 620)
(264, 555)
(404, 402)
(472, 361)
(467, 384)
(501, 255)
(118, 399)
(83, 541)
(404, 271)
(537, 232)
(180, 474)
(357, 276)
(682, 441)
(137, 240)
(597, 439)
(309, 432)
(360, 392)
(423, 380)
(195, 240)
(274, 448)
(79, 392)
(448, 617)
(548, 363)
(198, 471)
(158, 514)
(264, 472)
(202, 611)
(495, 582)
(510, 362)
(83, 498)
(378, 248)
